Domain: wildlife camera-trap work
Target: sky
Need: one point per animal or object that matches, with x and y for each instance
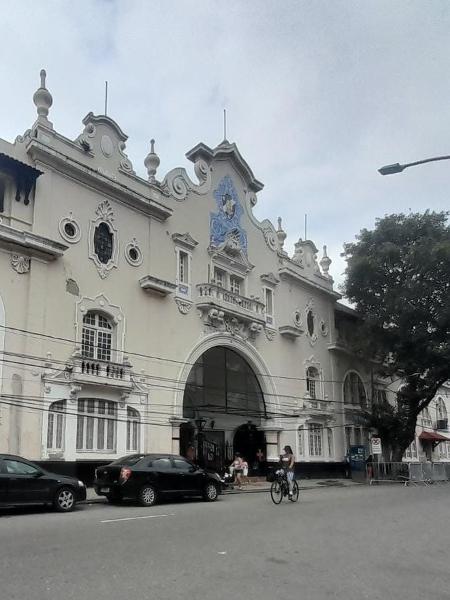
(319, 94)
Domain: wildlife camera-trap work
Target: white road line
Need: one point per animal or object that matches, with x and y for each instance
(134, 518)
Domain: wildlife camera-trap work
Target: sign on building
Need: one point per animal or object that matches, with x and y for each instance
(376, 445)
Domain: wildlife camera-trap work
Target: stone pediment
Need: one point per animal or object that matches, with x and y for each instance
(185, 239)
(270, 279)
(230, 259)
(105, 140)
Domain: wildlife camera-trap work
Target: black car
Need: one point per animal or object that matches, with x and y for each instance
(22, 482)
(148, 477)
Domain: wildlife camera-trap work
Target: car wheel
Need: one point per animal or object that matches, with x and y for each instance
(211, 492)
(64, 500)
(147, 495)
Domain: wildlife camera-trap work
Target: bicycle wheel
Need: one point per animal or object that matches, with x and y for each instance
(276, 492)
(295, 492)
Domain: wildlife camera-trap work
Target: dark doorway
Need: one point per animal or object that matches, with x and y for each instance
(251, 444)
(187, 438)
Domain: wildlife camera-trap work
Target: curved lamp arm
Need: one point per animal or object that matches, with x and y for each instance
(398, 168)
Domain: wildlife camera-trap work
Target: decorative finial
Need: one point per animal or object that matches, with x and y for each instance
(325, 263)
(151, 162)
(43, 101)
(281, 234)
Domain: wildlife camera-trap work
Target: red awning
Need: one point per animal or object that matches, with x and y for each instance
(432, 436)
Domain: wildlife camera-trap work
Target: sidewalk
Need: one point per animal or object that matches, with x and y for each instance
(257, 486)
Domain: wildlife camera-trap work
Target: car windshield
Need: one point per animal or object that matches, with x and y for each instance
(128, 460)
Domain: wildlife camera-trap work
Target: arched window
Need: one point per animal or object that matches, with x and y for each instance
(354, 392)
(312, 382)
(96, 337)
(441, 409)
(426, 418)
(56, 424)
(133, 430)
(96, 425)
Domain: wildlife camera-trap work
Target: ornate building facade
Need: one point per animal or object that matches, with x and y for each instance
(148, 314)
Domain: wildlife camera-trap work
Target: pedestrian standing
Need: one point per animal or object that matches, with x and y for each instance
(238, 468)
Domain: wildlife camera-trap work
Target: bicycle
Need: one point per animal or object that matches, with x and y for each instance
(280, 488)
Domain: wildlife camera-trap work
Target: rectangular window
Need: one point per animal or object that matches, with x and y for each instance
(235, 284)
(55, 425)
(88, 343)
(220, 277)
(357, 436)
(330, 442)
(301, 442)
(183, 267)
(315, 439)
(269, 306)
(96, 425)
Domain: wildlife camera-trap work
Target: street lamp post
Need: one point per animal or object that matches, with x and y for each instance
(398, 168)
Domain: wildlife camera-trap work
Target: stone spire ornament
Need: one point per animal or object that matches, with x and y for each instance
(43, 101)
(151, 162)
(281, 234)
(325, 263)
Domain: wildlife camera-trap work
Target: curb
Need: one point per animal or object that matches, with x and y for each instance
(102, 500)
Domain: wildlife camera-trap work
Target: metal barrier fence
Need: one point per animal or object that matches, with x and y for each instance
(408, 473)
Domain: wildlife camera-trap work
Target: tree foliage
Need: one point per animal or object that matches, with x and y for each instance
(398, 277)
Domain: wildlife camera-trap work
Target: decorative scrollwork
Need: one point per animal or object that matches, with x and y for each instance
(20, 263)
(178, 184)
(271, 239)
(183, 306)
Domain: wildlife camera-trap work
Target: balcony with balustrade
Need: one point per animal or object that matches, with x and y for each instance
(213, 296)
(90, 371)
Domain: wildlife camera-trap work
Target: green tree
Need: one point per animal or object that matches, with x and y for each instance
(398, 277)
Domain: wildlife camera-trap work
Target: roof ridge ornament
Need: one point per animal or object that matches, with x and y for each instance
(152, 162)
(281, 234)
(325, 263)
(43, 100)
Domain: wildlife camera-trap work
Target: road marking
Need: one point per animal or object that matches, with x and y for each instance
(134, 518)
(221, 553)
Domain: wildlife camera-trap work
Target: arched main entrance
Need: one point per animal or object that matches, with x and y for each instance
(224, 400)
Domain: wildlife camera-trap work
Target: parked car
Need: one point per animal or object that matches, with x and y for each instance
(149, 477)
(22, 482)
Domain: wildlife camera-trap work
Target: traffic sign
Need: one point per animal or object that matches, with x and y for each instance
(376, 445)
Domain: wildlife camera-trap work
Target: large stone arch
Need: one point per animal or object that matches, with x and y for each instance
(248, 352)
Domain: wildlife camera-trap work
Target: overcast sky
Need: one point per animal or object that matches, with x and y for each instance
(319, 94)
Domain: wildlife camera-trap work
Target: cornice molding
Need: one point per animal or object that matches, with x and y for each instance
(30, 243)
(97, 180)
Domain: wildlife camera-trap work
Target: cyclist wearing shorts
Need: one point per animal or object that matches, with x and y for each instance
(288, 463)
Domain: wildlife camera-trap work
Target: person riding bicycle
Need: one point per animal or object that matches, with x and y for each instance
(287, 461)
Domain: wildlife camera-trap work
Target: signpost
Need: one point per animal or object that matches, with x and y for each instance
(376, 445)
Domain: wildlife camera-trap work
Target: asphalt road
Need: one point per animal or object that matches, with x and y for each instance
(349, 543)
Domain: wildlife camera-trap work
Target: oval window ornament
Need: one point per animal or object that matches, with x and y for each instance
(103, 243)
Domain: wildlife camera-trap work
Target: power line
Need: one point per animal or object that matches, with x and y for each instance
(72, 342)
